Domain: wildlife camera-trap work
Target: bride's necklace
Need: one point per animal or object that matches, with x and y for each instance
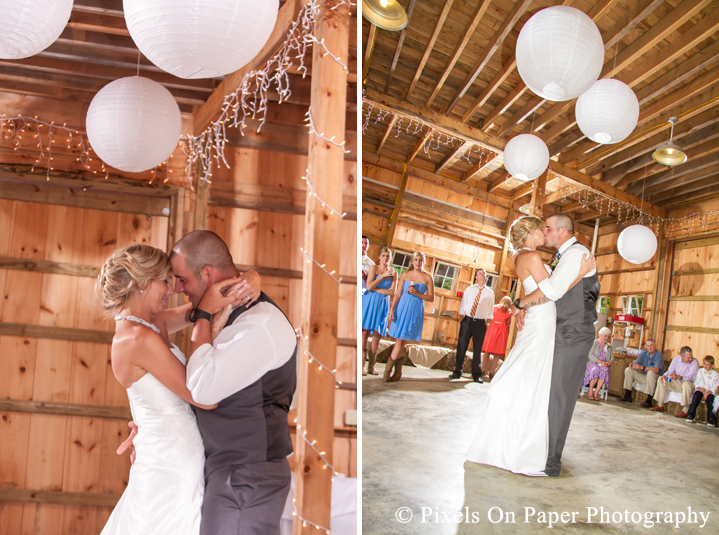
(137, 320)
(525, 249)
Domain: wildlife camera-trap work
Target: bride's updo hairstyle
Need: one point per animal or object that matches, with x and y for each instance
(127, 269)
(522, 228)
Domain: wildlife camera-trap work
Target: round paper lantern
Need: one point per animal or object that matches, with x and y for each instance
(526, 157)
(559, 53)
(608, 111)
(30, 26)
(637, 244)
(133, 124)
(200, 38)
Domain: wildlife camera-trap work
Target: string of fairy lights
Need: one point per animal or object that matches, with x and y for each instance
(472, 153)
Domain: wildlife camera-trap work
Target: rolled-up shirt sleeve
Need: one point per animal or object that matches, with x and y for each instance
(555, 286)
(258, 341)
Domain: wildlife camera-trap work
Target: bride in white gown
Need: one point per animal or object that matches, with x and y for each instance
(513, 433)
(166, 485)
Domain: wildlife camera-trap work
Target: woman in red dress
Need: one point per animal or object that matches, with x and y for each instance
(495, 341)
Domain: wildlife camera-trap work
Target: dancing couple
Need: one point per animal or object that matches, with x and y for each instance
(219, 467)
(531, 399)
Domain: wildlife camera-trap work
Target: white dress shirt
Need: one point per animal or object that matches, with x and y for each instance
(367, 263)
(555, 286)
(261, 339)
(707, 379)
(485, 307)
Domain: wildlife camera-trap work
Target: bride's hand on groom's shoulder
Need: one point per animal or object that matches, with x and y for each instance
(219, 295)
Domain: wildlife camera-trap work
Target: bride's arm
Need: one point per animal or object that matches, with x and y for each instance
(173, 319)
(150, 353)
(538, 297)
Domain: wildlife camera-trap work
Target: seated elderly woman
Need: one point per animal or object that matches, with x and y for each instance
(600, 358)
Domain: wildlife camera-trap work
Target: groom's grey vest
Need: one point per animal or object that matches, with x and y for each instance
(579, 305)
(250, 426)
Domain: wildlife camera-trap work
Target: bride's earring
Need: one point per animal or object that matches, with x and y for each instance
(141, 291)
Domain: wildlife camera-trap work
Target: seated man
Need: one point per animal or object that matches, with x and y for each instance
(645, 370)
(679, 378)
(706, 385)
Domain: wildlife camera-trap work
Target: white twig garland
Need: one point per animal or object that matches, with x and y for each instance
(313, 130)
(304, 521)
(249, 100)
(311, 192)
(321, 266)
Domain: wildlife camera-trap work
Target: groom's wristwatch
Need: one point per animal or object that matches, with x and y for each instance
(197, 314)
(516, 304)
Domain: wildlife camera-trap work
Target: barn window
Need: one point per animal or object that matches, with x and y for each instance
(401, 262)
(445, 275)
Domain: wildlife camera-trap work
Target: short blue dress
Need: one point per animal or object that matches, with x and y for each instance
(375, 308)
(409, 315)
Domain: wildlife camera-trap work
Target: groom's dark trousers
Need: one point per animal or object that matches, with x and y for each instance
(247, 441)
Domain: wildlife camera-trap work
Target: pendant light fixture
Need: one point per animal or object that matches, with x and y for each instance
(385, 14)
(670, 153)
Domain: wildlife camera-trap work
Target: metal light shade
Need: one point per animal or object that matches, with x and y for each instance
(385, 14)
(670, 153)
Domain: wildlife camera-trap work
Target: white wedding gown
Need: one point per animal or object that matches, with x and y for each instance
(167, 482)
(513, 433)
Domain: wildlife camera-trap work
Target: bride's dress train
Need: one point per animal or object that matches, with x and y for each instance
(167, 483)
(513, 433)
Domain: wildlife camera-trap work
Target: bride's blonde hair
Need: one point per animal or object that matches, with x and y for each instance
(127, 270)
(522, 228)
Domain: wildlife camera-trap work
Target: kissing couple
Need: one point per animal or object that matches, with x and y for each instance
(210, 437)
(531, 399)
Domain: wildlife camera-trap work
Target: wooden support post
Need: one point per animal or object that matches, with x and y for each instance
(397, 205)
(540, 186)
(503, 258)
(202, 195)
(662, 279)
(320, 291)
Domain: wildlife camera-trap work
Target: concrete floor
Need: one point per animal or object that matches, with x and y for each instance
(415, 435)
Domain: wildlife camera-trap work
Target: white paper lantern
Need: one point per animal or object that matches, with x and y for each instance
(200, 38)
(637, 244)
(608, 111)
(133, 124)
(30, 26)
(526, 157)
(559, 53)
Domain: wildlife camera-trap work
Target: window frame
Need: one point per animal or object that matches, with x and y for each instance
(455, 277)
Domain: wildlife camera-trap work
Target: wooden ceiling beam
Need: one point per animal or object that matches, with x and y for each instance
(448, 158)
(684, 185)
(559, 194)
(521, 191)
(477, 168)
(428, 50)
(98, 22)
(499, 182)
(211, 108)
(491, 87)
(420, 144)
(369, 47)
(602, 187)
(631, 18)
(435, 119)
(512, 17)
(468, 33)
(525, 111)
(400, 42)
(694, 196)
(500, 108)
(386, 134)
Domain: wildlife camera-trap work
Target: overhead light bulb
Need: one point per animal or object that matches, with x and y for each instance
(385, 14)
(670, 153)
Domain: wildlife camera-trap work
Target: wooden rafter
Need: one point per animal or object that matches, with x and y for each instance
(468, 33)
(386, 134)
(490, 88)
(368, 51)
(430, 46)
(499, 182)
(508, 23)
(506, 102)
(400, 42)
(420, 144)
(448, 158)
(478, 167)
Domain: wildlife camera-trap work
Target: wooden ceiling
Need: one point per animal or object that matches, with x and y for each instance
(454, 66)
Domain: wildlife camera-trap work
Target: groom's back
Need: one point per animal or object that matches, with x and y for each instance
(579, 304)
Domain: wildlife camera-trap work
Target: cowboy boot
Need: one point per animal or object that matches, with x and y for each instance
(397, 375)
(364, 359)
(387, 377)
(372, 356)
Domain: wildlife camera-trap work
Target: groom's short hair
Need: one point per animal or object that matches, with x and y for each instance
(565, 222)
(204, 248)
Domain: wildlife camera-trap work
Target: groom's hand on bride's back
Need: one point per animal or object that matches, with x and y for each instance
(519, 317)
(127, 444)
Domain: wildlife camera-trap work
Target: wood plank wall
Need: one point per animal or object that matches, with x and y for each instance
(71, 457)
(257, 207)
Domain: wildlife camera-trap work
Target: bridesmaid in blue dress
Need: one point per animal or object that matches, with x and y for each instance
(407, 311)
(381, 281)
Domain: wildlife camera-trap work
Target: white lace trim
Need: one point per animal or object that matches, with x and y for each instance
(137, 320)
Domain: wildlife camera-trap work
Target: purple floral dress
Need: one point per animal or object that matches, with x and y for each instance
(595, 371)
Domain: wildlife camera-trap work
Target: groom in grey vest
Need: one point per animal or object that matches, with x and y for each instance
(576, 315)
(250, 371)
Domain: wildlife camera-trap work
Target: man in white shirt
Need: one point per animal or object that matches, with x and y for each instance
(576, 314)
(250, 371)
(706, 384)
(366, 262)
(476, 311)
